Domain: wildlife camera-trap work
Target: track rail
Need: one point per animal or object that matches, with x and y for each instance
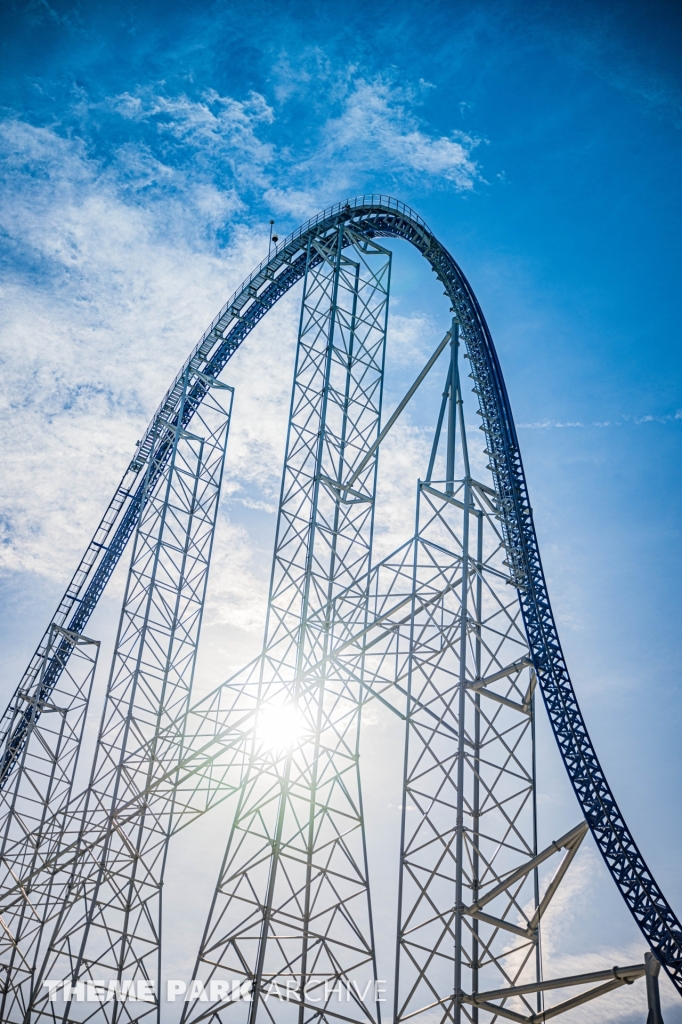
(383, 216)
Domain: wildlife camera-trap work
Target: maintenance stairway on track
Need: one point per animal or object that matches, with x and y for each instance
(453, 633)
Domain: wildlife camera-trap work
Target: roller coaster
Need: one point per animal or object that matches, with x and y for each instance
(452, 632)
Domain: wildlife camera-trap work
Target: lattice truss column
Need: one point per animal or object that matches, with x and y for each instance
(34, 800)
(469, 903)
(291, 913)
(424, 609)
(468, 818)
(107, 908)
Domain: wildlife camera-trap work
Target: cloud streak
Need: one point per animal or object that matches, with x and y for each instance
(377, 125)
(636, 421)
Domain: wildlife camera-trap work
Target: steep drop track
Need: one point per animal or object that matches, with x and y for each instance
(383, 216)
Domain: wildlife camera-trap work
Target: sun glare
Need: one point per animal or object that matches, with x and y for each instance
(279, 727)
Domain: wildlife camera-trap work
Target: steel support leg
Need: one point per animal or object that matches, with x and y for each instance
(108, 927)
(34, 804)
(291, 916)
(653, 998)
(468, 798)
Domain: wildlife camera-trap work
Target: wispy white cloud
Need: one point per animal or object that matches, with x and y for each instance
(369, 127)
(411, 339)
(624, 420)
(378, 125)
(102, 302)
(214, 124)
(377, 130)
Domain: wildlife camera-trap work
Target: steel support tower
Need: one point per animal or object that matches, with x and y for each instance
(453, 632)
(107, 925)
(291, 909)
(35, 801)
(469, 906)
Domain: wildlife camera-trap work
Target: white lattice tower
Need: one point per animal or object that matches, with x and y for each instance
(291, 908)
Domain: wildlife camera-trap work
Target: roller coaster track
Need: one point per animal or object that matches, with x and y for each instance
(382, 216)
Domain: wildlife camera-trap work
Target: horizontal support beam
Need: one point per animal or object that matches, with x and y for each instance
(344, 489)
(516, 666)
(450, 500)
(553, 1011)
(524, 709)
(497, 922)
(620, 973)
(483, 487)
(571, 1004)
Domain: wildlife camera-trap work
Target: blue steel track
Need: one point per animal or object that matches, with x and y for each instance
(381, 216)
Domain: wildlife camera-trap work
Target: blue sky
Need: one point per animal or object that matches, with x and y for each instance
(144, 149)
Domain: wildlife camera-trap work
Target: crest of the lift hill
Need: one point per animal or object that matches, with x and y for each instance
(453, 632)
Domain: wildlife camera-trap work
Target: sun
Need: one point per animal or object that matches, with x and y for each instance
(279, 727)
